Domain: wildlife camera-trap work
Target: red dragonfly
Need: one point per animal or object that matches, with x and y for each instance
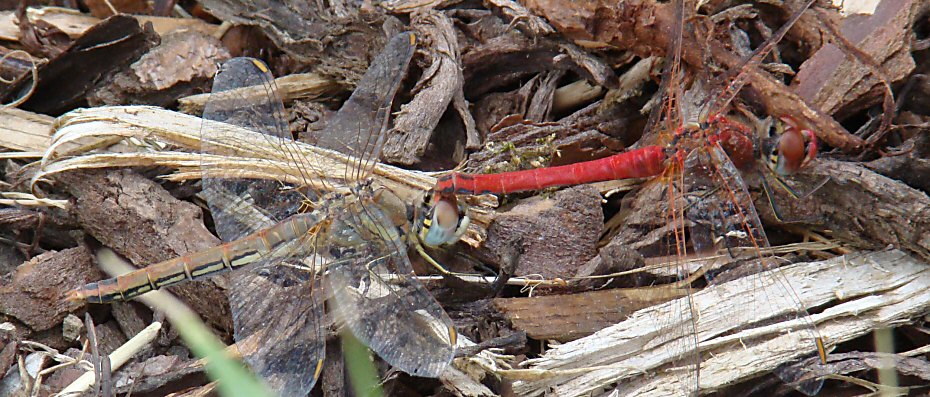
(695, 154)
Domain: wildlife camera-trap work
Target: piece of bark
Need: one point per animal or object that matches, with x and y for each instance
(495, 106)
(642, 224)
(519, 16)
(339, 37)
(510, 58)
(478, 26)
(584, 135)
(852, 362)
(64, 81)
(571, 316)
(16, 221)
(74, 23)
(441, 81)
(611, 258)
(109, 337)
(9, 349)
(860, 207)
(107, 8)
(643, 26)
(541, 102)
(558, 234)
(183, 64)
(34, 293)
(159, 375)
(40, 37)
(837, 82)
(128, 317)
(910, 168)
(143, 223)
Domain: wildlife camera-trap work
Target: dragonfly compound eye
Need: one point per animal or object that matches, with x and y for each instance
(794, 150)
(444, 224)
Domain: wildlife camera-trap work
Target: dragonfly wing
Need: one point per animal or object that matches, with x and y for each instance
(680, 324)
(359, 127)
(723, 218)
(279, 327)
(276, 314)
(244, 94)
(379, 298)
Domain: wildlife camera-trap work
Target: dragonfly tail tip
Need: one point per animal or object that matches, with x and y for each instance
(75, 295)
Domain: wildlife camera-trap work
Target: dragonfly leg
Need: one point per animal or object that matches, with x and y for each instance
(429, 259)
(770, 196)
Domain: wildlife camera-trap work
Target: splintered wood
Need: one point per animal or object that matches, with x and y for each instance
(82, 131)
(862, 292)
(24, 131)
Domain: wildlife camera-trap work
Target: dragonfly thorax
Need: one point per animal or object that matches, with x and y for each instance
(734, 137)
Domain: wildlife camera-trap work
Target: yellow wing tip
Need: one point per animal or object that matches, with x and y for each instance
(260, 65)
(413, 38)
(821, 350)
(318, 370)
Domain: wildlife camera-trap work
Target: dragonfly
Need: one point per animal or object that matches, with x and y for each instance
(694, 158)
(292, 247)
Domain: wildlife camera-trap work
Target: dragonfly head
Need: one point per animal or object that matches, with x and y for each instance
(793, 149)
(441, 221)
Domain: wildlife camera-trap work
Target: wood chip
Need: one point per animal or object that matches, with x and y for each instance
(839, 84)
(568, 317)
(75, 23)
(34, 293)
(103, 49)
(184, 63)
(440, 83)
(558, 234)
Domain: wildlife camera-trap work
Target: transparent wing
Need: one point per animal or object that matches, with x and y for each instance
(722, 218)
(276, 316)
(244, 95)
(680, 324)
(359, 127)
(379, 298)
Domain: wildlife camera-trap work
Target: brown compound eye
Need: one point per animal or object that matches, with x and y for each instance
(795, 149)
(790, 152)
(445, 215)
(445, 224)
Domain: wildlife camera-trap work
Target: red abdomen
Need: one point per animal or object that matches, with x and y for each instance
(639, 163)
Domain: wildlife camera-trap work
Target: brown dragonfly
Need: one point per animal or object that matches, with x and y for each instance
(352, 246)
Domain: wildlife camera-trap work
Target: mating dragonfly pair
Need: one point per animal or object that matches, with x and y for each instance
(353, 245)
